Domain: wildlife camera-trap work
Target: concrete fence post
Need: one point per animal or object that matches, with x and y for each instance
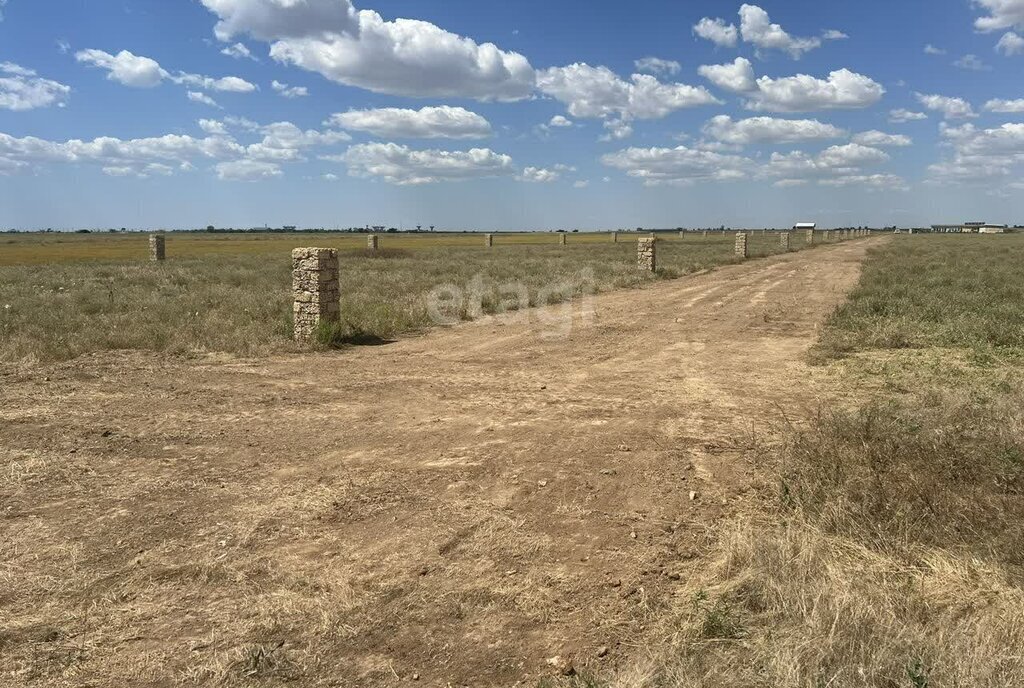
(561, 239)
(372, 242)
(488, 240)
(810, 237)
(705, 234)
(315, 290)
(681, 234)
(615, 237)
(157, 247)
(784, 241)
(741, 245)
(646, 254)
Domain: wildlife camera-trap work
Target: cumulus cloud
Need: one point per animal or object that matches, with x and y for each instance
(202, 98)
(801, 93)
(279, 143)
(834, 35)
(426, 123)
(717, 31)
(1002, 14)
(981, 155)
(736, 76)
(138, 71)
(616, 129)
(972, 63)
(757, 29)
(560, 121)
(538, 175)
(1006, 106)
(247, 171)
(835, 166)
(930, 49)
(597, 92)
(1011, 44)
(879, 139)
(768, 130)
(397, 164)
(286, 91)
(359, 48)
(238, 51)
(677, 166)
(22, 89)
(902, 116)
(125, 68)
(656, 65)
(950, 107)
(581, 184)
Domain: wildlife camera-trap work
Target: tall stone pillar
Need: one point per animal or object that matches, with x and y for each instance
(646, 256)
(157, 247)
(741, 245)
(315, 290)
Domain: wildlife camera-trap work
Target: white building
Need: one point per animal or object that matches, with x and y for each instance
(805, 225)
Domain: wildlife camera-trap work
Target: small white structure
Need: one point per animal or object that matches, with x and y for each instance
(805, 225)
(992, 229)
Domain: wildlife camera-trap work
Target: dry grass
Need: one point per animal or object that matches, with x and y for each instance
(232, 293)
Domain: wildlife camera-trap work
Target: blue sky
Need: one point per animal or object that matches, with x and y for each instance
(527, 115)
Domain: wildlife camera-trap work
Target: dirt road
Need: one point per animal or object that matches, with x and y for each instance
(459, 507)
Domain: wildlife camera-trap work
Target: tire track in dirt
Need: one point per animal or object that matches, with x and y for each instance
(462, 505)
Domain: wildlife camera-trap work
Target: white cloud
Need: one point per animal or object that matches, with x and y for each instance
(21, 89)
(1011, 44)
(951, 108)
(403, 57)
(581, 184)
(287, 91)
(2, 4)
(677, 166)
(1002, 14)
(1007, 106)
(737, 76)
(972, 63)
(757, 29)
(560, 121)
(238, 51)
(717, 31)
(880, 139)
(930, 49)
(599, 92)
(401, 165)
(426, 123)
(769, 130)
(886, 182)
(981, 155)
(280, 142)
(656, 65)
(538, 175)
(199, 97)
(902, 116)
(835, 162)
(142, 72)
(834, 35)
(125, 67)
(801, 93)
(616, 129)
(247, 171)
(212, 126)
(330, 177)
(227, 84)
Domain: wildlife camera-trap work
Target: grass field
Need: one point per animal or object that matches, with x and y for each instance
(65, 295)
(891, 552)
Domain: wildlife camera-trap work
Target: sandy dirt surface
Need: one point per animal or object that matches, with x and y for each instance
(452, 509)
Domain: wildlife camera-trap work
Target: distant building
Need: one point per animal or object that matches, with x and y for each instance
(805, 225)
(970, 228)
(289, 228)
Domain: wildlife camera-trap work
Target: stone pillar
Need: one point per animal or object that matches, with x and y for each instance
(372, 242)
(561, 238)
(646, 256)
(315, 289)
(157, 247)
(810, 237)
(681, 234)
(488, 240)
(705, 234)
(615, 237)
(741, 245)
(784, 241)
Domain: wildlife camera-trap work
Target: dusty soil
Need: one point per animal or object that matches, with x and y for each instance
(456, 508)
